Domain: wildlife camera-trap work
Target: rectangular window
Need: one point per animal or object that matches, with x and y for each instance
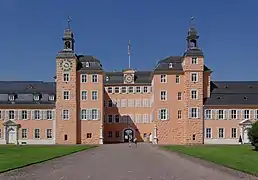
(36, 133)
(110, 134)
(84, 114)
(179, 96)
(256, 114)
(11, 115)
(163, 78)
(138, 89)
(123, 103)
(233, 132)
(233, 114)
(66, 95)
(49, 134)
(163, 95)
(84, 95)
(117, 134)
(94, 114)
(24, 133)
(177, 79)
(83, 78)
(163, 114)
(194, 77)
(94, 95)
(65, 114)
(221, 133)
(194, 94)
(0, 133)
(123, 89)
(94, 78)
(179, 114)
(117, 90)
(1, 114)
(24, 114)
(145, 89)
(208, 133)
(49, 115)
(130, 102)
(220, 114)
(130, 89)
(208, 114)
(194, 113)
(117, 118)
(110, 119)
(66, 77)
(89, 135)
(246, 114)
(110, 89)
(194, 60)
(37, 115)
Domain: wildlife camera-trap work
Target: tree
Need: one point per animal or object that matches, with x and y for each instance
(253, 135)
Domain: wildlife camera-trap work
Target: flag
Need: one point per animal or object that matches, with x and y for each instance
(129, 48)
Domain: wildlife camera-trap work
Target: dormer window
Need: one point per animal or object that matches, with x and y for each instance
(245, 98)
(219, 97)
(194, 60)
(226, 86)
(170, 65)
(11, 97)
(51, 98)
(87, 64)
(36, 97)
(107, 78)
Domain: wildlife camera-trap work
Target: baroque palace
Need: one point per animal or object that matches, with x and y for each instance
(175, 103)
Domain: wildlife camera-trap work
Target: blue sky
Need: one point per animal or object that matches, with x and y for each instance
(31, 33)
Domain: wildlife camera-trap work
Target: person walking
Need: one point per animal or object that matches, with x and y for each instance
(135, 141)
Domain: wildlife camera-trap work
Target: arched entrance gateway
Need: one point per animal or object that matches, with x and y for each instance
(128, 134)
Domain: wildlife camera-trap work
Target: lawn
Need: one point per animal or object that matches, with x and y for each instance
(12, 157)
(239, 157)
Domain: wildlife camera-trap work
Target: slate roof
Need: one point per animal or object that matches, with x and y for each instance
(141, 77)
(24, 92)
(87, 63)
(233, 93)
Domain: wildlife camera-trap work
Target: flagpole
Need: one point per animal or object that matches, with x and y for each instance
(129, 54)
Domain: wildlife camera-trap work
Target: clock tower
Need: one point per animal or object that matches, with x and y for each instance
(66, 94)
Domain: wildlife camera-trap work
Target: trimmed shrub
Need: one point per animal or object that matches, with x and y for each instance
(253, 135)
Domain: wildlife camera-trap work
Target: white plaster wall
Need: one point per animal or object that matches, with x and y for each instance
(221, 141)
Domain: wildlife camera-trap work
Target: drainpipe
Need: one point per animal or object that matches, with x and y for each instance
(155, 135)
(101, 134)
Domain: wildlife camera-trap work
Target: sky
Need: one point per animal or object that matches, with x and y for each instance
(31, 32)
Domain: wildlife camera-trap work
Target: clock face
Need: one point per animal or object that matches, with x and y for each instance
(66, 65)
(129, 78)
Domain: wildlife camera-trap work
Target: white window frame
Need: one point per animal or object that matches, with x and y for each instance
(163, 78)
(177, 79)
(194, 96)
(36, 97)
(84, 95)
(49, 114)
(233, 115)
(208, 114)
(145, 89)
(47, 133)
(84, 78)
(194, 74)
(24, 113)
(170, 65)
(11, 97)
(194, 60)
(163, 114)
(117, 90)
(219, 115)
(96, 115)
(223, 130)
(66, 95)
(96, 95)
(179, 96)
(245, 114)
(109, 90)
(65, 114)
(163, 95)
(138, 89)
(123, 89)
(66, 77)
(51, 97)
(94, 78)
(34, 135)
(192, 114)
(179, 114)
(36, 114)
(206, 134)
(11, 116)
(256, 114)
(24, 133)
(232, 133)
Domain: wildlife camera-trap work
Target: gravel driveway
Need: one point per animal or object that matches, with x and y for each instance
(120, 162)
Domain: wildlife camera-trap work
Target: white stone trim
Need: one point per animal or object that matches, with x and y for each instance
(221, 141)
(124, 131)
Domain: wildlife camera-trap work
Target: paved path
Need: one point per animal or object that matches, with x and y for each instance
(119, 162)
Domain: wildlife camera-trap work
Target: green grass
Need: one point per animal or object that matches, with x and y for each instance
(12, 157)
(239, 157)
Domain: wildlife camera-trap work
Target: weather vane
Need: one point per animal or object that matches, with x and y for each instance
(192, 22)
(69, 21)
